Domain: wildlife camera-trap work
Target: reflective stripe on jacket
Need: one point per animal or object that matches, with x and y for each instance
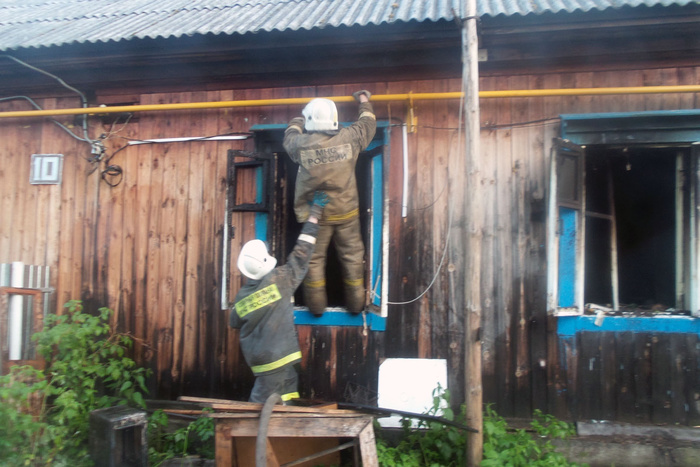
(327, 163)
(264, 310)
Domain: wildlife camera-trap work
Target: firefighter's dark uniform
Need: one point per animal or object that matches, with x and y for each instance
(327, 162)
(264, 312)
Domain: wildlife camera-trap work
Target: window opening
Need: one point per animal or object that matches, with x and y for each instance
(625, 228)
(264, 184)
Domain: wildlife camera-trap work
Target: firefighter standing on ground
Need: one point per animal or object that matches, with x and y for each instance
(327, 157)
(264, 310)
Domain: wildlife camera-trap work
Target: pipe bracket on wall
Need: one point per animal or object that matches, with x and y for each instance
(411, 119)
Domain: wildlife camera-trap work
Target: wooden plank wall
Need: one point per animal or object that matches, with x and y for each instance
(151, 247)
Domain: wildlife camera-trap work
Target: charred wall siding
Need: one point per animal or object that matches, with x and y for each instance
(150, 248)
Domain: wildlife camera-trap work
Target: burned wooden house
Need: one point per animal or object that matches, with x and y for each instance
(141, 147)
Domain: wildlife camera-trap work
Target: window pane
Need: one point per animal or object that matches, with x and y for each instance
(567, 256)
(568, 178)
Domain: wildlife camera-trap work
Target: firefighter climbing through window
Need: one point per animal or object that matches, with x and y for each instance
(264, 309)
(327, 157)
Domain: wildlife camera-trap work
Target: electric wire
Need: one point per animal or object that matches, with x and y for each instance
(83, 99)
(38, 107)
(447, 234)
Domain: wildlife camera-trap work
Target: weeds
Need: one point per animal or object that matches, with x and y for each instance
(433, 444)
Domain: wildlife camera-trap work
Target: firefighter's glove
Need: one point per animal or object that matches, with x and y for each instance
(357, 94)
(319, 202)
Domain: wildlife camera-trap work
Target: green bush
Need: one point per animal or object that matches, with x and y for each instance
(44, 414)
(507, 447)
(433, 444)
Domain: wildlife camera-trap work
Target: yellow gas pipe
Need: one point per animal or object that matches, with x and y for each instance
(375, 98)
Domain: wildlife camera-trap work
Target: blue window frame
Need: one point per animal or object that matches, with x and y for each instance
(376, 232)
(623, 221)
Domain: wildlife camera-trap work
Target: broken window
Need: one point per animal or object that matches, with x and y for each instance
(624, 236)
(261, 189)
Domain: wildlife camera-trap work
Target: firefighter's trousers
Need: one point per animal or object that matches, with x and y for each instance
(347, 239)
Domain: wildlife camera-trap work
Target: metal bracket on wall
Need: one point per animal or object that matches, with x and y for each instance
(411, 119)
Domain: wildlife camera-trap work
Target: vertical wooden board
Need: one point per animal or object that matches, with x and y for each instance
(185, 342)
(559, 349)
(47, 137)
(142, 240)
(556, 365)
(111, 234)
(153, 307)
(457, 264)
(358, 365)
(315, 382)
(634, 102)
(692, 379)
(424, 199)
(584, 104)
(686, 76)
(446, 128)
(670, 101)
(661, 377)
(333, 363)
(652, 77)
(10, 180)
(25, 200)
(92, 268)
(588, 391)
(349, 364)
(69, 230)
(536, 275)
(16, 184)
(678, 354)
(489, 321)
(194, 347)
(26, 197)
(643, 376)
(503, 251)
(618, 101)
(130, 221)
(626, 404)
(230, 120)
(51, 231)
(608, 376)
(568, 103)
(402, 322)
(520, 175)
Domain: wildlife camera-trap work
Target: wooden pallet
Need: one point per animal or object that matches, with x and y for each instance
(296, 436)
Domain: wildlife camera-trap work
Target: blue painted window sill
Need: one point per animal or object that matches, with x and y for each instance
(338, 317)
(568, 326)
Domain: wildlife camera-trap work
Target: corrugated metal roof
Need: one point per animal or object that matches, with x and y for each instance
(37, 23)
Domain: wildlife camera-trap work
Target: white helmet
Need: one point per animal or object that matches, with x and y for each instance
(320, 115)
(254, 261)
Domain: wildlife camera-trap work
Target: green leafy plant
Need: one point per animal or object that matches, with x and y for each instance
(507, 447)
(434, 444)
(44, 414)
(196, 438)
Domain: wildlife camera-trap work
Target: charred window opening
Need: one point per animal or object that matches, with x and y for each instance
(268, 174)
(636, 228)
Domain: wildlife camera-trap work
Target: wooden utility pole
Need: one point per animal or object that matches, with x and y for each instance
(474, 217)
